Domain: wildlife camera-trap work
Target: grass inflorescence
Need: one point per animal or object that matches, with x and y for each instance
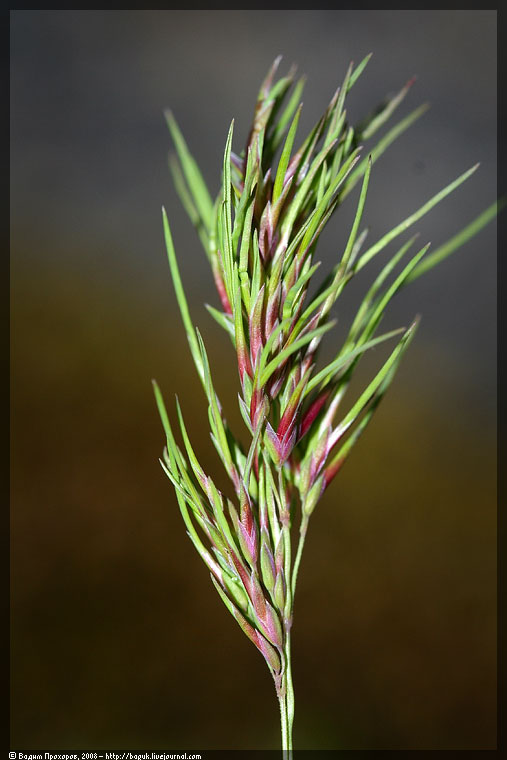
(260, 236)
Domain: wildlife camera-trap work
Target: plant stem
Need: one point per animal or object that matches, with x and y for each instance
(282, 698)
(302, 536)
(289, 694)
(287, 689)
(285, 694)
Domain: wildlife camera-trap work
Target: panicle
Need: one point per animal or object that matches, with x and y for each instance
(260, 236)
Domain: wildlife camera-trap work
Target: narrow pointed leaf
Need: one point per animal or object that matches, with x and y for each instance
(188, 203)
(287, 114)
(215, 411)
(181, 298)
(364, 308)
(224, 320)
(382, 146)
(458, 240)
(326, 374)
(358, 71)
(284, 158)
(193, 176)
(379, 308)
(367, 394)
(292, 348)
(406, 223)
(377, 121)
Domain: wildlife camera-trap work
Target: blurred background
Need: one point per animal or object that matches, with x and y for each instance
(118, 638)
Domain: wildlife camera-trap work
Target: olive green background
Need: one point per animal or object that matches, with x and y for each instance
(118, 638)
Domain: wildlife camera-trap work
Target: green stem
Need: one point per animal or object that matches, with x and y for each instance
(297, 561)
(285, 693)
(282, 698)
(289, 694)
(287, 688)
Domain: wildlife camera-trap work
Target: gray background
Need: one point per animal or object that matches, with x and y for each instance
(117, 637)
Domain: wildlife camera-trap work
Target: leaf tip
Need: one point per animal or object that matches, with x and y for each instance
(170, 120)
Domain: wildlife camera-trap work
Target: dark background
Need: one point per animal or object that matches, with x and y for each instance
(118, 638)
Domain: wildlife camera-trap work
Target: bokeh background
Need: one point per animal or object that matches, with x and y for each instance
(118, 638)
